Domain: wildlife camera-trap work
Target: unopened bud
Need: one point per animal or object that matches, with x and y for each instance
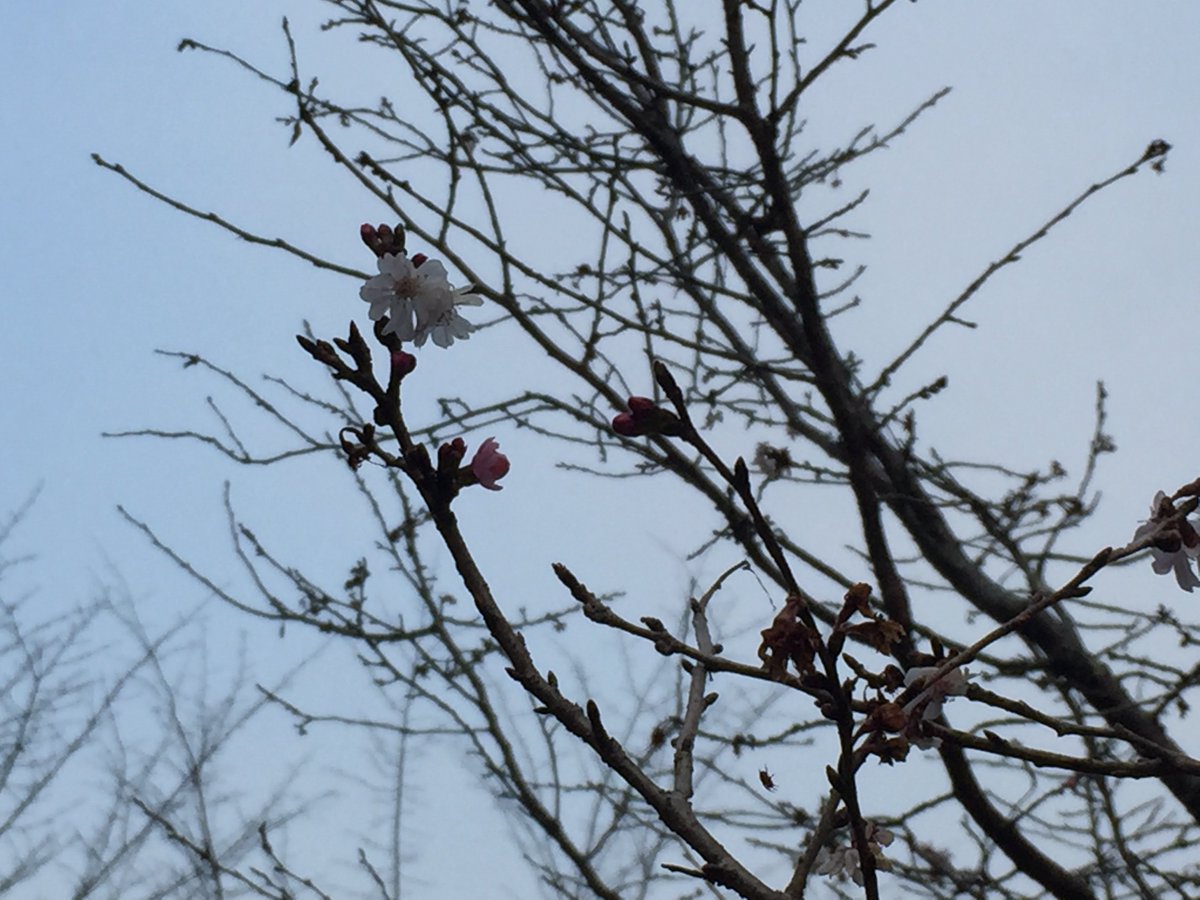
(370, 237)
(623, 424)
(451, 454)
(402, 363)
(646, 417)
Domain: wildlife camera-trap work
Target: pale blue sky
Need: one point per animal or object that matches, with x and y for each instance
(94, 276)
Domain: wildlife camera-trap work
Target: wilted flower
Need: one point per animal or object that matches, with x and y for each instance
(489, 464)
(1175, 547)
(416, 296)
(772, 461)
(952, 684)
(840, 862)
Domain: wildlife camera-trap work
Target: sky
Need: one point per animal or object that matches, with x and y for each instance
(95, 277)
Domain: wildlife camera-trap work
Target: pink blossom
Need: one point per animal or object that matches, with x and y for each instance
(489, 464)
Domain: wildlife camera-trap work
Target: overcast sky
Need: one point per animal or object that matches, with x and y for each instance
(95, 276)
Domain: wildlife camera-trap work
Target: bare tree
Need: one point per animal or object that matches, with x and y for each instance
(707, 267)
(102, 738)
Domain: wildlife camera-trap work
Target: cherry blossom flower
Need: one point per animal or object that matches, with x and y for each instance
(443, 322)
(843, 862)
(489, 464)
(416, 296)
(952, 684)
(839, 862)
(1174, 548)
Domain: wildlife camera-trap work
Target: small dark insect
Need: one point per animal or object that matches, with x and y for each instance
(765, 777)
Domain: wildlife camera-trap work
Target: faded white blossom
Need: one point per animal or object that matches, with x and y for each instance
(844, 862)
(840, 862)
(952, 684)
(1176, 547)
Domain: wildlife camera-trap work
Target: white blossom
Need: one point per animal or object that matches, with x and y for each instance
(1179, 560)
(952, 684)
(418, 301)
(839, 862)
(842, 862)
(442, 321)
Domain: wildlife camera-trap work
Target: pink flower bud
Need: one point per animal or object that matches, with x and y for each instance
(489, 465)
(418, 259)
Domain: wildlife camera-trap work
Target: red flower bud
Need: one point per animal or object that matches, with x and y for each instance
(640, 405)
(623, 423)
(402, 363)
(645, 417)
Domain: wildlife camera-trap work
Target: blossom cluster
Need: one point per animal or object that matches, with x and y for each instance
(842, 862)
(416, 297)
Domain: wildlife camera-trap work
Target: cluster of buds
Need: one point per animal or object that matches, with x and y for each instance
(382, 240)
